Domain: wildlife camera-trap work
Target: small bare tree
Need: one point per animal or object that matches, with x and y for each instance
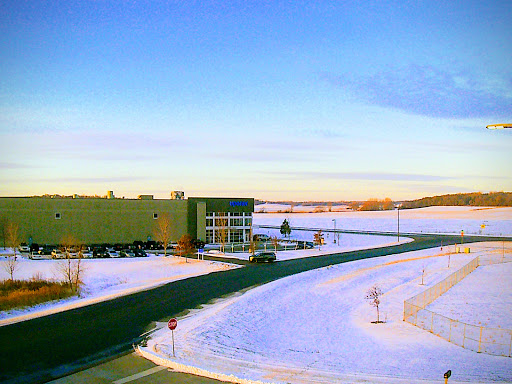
(373, 295)
(422, 273)
(221, 230)
(163, 231)
(252, 243)
(185, 245)
(72, 269)
(12, 234)
(319, 238)
(275, 242)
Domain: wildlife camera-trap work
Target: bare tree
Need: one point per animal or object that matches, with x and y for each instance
(72, 269)
(422, 274)
(163, 231)
(12, 234)
(319, 238)
(275, 242)
(252, 243)
(221, 230)
(373, 295)
(185, 245)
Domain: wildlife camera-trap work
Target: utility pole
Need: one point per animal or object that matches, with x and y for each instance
(398, 225)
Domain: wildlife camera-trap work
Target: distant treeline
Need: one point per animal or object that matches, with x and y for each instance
(373, 205)
(492, 199)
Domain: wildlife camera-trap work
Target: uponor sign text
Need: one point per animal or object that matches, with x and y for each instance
(238, 203)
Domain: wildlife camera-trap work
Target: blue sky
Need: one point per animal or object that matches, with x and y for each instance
(327, 100)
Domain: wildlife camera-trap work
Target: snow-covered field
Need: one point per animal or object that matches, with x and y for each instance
(315, 327)
(105, 279)
(495, 221)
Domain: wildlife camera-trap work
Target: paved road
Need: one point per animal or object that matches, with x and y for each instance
(46, 348)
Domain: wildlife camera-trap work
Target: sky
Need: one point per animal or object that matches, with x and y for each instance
(276, 100)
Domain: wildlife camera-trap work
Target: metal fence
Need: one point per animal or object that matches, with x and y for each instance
(493, 341)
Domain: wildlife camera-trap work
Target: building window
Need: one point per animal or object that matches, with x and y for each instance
(237, 222)
(209, 236)
(155, 216)
(57, 215)
(221, 222)
(209, 222)
(248, 221)
(236, 236)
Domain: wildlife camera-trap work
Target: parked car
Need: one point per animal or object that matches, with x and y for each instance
(85, 254)
(101, 253)
(37, 256)
(45, 251)
(113, 253)
(57, 254)
(139, 253)
(260, 237)
(305, 244)
(263, 257)
(127, 253)
(24, 248)
(34, 248)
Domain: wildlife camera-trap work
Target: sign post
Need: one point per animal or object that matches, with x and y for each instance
(447, 376)
(172, 324)
(462, 237)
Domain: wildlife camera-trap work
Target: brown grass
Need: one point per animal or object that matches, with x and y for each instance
(23, 293)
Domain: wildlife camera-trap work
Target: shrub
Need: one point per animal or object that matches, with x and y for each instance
(21, 293)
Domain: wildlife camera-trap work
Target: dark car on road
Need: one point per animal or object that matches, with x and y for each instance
(263, 257)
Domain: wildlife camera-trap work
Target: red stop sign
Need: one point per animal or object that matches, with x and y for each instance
(172, 324)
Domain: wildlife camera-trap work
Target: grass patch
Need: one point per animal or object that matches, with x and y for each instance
(27, 293)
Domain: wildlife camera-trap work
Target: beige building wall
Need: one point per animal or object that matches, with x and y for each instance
(45, 220)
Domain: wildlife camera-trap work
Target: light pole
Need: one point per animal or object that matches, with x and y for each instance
(398, 223)
(334, 236)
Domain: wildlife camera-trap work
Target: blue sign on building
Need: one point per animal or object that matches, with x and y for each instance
(238, 203)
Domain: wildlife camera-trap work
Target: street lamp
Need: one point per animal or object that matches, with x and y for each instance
(499, 126)
(334, 235)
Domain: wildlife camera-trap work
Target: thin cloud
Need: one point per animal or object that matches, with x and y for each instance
(429, 91)
(367, 176)
(320, 132)
(15, 166)
(95, 180)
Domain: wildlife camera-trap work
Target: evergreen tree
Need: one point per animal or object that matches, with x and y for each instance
(285, 228)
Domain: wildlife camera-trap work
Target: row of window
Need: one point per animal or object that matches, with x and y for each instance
(227, 236)
(226, 222)
(217, 214)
